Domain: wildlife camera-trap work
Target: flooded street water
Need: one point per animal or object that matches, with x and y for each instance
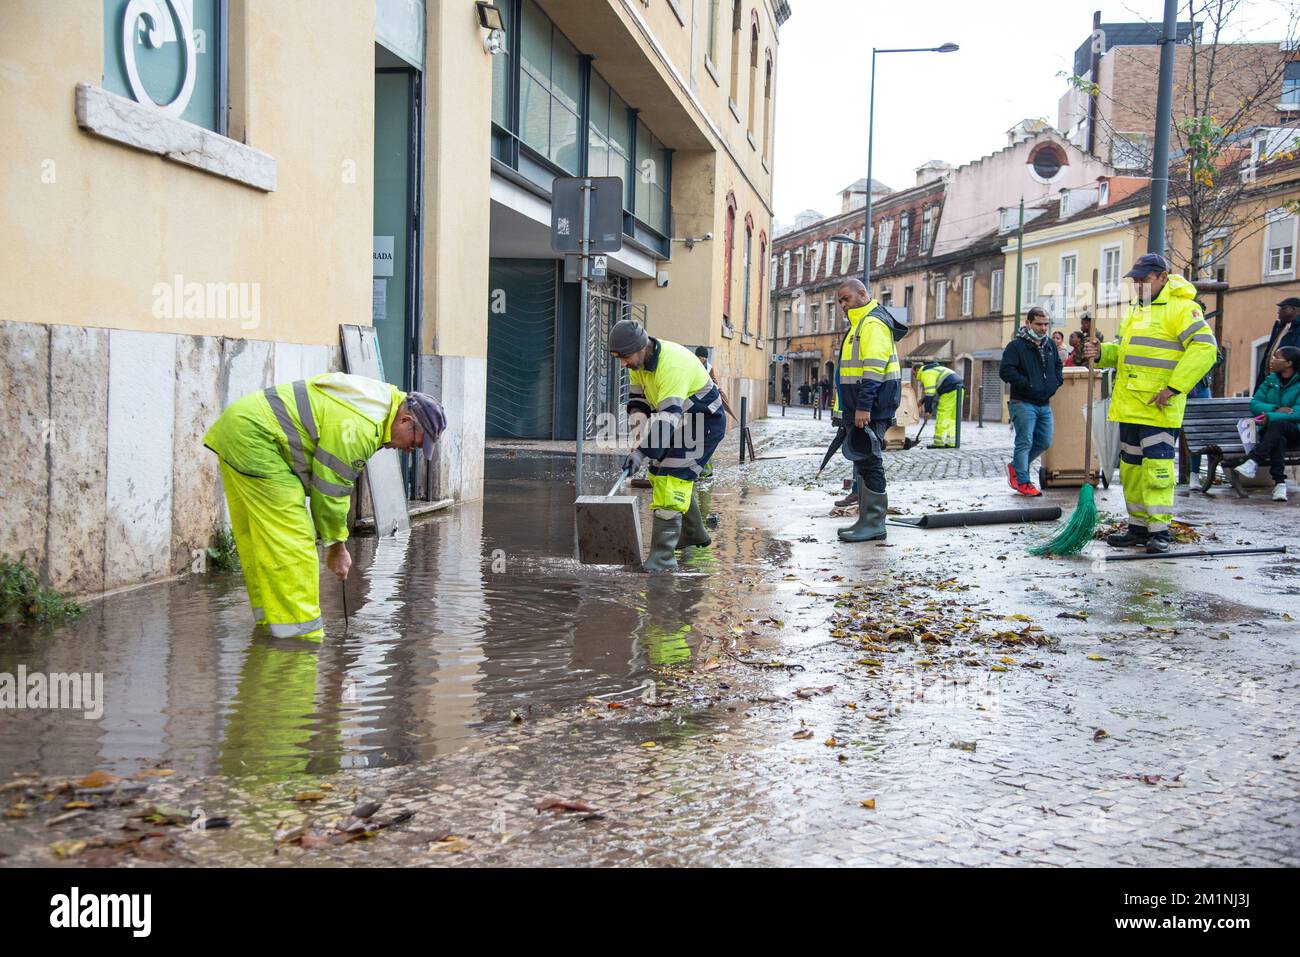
(473, 614)
(1066, 712)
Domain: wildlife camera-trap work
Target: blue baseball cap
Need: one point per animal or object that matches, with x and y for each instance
(1146, 265)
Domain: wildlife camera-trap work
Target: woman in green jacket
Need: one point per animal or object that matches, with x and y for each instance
(1277, 407)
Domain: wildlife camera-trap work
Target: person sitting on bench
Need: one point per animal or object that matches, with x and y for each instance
(1277, 408)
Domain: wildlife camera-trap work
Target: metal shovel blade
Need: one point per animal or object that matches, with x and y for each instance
(608, 528)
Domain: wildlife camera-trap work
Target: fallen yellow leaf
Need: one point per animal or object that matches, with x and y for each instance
(869, 804)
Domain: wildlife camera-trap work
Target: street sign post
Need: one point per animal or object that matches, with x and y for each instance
(587, 219)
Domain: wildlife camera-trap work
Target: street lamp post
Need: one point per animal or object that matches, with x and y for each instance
(871, 122)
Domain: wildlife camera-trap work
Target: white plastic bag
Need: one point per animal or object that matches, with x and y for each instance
(1246, 428)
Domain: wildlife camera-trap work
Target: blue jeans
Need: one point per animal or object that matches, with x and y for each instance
(1033, 424)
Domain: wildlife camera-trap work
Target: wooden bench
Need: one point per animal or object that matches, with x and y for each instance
(1210, 429)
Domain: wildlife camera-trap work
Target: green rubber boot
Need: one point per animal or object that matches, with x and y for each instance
(663, 541)
(870, 526)
(693, 531)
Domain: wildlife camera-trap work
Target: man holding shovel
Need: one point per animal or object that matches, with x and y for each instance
(1165, 347)
(676, 415)
(870, 389)
(298, 442)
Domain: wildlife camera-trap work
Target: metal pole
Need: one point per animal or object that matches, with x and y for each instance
(981, 409)
(1020, 260)
(583, 242)
(871, 129)
(744, 425)
(1164, 120)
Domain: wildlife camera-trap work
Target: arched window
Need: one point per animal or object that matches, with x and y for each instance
(729, 242)
(762, 281)
(753, 74)
(767, 107)
(749, 246)
(735, 50)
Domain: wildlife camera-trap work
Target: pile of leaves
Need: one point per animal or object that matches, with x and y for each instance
(1184, 534)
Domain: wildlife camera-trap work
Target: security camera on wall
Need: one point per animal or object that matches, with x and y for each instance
(708, 236)
(661, 279)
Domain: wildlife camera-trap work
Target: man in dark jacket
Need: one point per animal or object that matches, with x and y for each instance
(1285, 332)
(1032, 367)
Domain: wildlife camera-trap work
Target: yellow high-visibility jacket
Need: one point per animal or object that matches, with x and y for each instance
(1167, 343)
(322, 429)
(869, 374)
(672, 385)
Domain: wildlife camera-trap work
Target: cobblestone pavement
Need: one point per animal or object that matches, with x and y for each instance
(1157, 726)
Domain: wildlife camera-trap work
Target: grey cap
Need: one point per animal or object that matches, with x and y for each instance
(627, 336)
(1146, 265)
(431, 418)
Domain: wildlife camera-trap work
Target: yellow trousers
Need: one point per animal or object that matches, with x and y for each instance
(277, 549)
(945, 420)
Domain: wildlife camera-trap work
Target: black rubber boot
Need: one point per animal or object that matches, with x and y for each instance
(1128, 538)
(870, 526)
(693, 532)
(1160, 542)
(663, 541)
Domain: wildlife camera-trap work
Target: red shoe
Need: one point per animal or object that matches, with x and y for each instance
(1011, 477)
(1030, 489)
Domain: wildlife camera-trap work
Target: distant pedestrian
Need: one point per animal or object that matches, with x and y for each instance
(1032, 367)
(1074, 354)
(1285, 332)
(1277, 409)
(1058, 338)
(785, 390)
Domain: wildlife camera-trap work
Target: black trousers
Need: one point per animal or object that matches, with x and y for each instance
(1271, 450)
(871, 470)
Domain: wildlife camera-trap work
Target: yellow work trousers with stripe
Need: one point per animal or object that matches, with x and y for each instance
(945, 420)
(670, 493)
(1146, 467)
(277, 549)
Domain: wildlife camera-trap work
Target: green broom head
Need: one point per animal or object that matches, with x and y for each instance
(1078, 531)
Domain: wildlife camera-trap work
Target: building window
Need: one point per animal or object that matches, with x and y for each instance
(650, 195)
(799, 308)
(503, 71)
(762, 286)
(816, 317)
(735, 50)
(749, 242)
(909, 295)
(1279, 244)
(940, 298)
(711, 48)
(798, 267)
(177, 74)
(814, 260)
(1110, 261)
(767, 107)
(785, 268)
(968, 294)
(1213, 260)
(728, 241)
(846, 255)
(887, 297)
(927, 228)
(787, 322)
(904, 234)
(882, 247)
(1030, 291)
(550, 88)
(995, 291)
(609, 140)
(1069, 282)
(1103, 193)
(753, 77)
(1291, 86)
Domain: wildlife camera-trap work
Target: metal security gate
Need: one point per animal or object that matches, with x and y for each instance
(990, 392)
(605, 403)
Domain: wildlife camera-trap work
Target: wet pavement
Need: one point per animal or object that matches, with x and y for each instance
(793, 681)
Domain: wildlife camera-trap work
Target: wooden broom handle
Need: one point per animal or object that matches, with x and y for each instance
(1087, 438)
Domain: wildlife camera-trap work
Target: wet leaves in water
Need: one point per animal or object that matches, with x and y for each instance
(1093, 656)
(366, 810)
(1099, 734)
(1079, 615)
(555, 804)
(964, 745)
(803, 734)
(812, 692)
(869, 804)
(98, 779)
(451, 844)
(304, 796)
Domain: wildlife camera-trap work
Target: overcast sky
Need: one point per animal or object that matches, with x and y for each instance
(949, 106)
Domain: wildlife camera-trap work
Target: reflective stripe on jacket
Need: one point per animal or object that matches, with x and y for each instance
(870, 377)
(672, 384)
(323, 429)
(1167, 343)
(937, 379)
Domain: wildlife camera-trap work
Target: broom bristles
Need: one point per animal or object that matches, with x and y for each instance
(1078, 531)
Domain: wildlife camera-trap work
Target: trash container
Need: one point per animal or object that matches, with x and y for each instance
(1062, 464)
